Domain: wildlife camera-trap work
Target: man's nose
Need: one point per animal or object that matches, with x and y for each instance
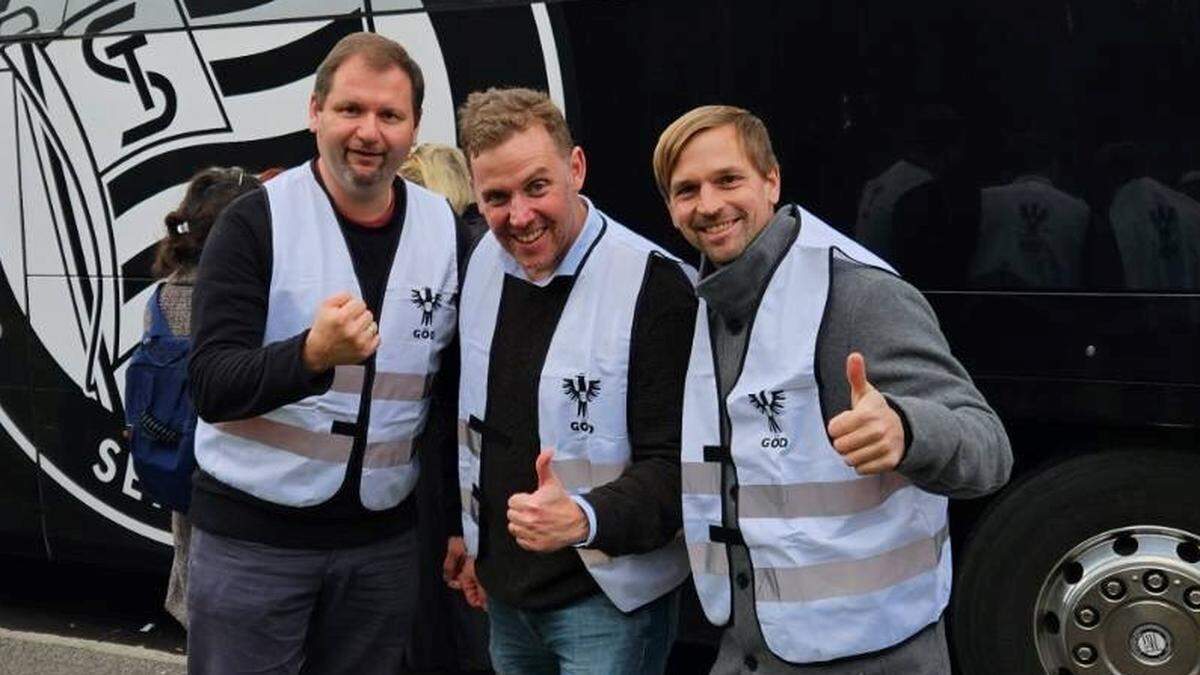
(709, 201)
(367, 130)
(520, 212)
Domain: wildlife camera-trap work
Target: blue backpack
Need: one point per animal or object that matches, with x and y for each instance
(159, 412)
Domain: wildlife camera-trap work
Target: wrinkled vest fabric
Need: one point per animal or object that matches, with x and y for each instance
(297, 454)
(582, 394)
(842, 564)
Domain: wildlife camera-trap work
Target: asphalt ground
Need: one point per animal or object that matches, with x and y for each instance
(68, 618)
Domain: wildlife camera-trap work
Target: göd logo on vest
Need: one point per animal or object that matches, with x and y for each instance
(770, 405)
(427, 301)
(582, 391)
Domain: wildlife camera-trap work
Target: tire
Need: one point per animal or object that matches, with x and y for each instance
(1023, 540)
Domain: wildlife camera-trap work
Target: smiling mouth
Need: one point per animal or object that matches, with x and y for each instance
(719, 228)
(363, 154)
(529, 236)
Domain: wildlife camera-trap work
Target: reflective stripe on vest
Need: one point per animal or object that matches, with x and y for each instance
(582, 394)
(842, 564)
(296, 455)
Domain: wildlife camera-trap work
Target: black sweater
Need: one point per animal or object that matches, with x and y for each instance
(638, 512)
(234, 376)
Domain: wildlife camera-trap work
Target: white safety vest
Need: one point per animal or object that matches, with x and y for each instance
(297, 454)
(582, 395)
(1031, 235)
(1158, 235)
(842, 564)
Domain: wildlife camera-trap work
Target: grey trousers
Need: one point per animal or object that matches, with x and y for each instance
(254, 608)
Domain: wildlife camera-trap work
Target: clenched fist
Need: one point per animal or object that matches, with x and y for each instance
(343, 333)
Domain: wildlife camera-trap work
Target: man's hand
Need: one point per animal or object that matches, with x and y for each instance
(343, 333)
(548, 519)
(456, 558)
(471, 588)
(869, 436)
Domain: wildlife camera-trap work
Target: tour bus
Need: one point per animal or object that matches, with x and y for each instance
(1032, 166)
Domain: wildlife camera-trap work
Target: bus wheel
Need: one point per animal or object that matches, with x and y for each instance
(1089, 566)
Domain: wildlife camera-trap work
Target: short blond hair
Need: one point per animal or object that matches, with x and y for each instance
(751, 133)
(489, 118)
(440, 168)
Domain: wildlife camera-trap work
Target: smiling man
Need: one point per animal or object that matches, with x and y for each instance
(574, 336)
(318, 328)
(814, 497)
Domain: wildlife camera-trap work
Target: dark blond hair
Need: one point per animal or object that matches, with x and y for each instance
(380, 54)
(489, 118)
(208, 193)
(751, 133)
(440, 168)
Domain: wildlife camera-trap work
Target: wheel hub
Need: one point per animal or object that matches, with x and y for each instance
(1126, 602)
(1150, 644)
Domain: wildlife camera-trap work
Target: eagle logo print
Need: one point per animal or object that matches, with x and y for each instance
(427, 301)
(582, 391)
(769, 404)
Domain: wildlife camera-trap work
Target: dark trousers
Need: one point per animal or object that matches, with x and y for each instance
(254, 608)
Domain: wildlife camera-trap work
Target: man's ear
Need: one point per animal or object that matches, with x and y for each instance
(773, 184)
(578, 165)
(313, 109)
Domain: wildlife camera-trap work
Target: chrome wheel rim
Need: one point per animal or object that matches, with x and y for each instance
(1125, 602)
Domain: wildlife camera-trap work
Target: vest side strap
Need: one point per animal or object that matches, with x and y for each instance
(381, 454)
(311, 444)
(700, 478)
(717, 453)
(725, 535)
(469, 438)
(849, 577)
(808, 500)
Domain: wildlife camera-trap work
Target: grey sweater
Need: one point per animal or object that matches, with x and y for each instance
(955, 443)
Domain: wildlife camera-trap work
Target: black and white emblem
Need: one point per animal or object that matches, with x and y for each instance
(182, 85)
(582, 391)
(770, 405)
(427, 301)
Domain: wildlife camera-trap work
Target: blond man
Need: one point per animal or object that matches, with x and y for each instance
(574, 333)
(814, 496)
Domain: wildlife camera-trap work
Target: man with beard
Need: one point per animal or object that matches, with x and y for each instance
(814, 498)
(323, 307)
(574, 339)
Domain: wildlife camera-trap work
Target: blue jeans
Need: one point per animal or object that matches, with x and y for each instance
(588, 637)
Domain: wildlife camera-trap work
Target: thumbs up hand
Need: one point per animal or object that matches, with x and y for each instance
(547, 519)
(869, 436)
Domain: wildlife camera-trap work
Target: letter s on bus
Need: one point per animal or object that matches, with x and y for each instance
(108, 450)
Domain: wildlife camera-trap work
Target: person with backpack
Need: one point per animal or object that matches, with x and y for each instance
(158, 409)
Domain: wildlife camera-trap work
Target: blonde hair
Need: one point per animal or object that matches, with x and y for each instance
(440, 168)
(751, 132)
(489, 118)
